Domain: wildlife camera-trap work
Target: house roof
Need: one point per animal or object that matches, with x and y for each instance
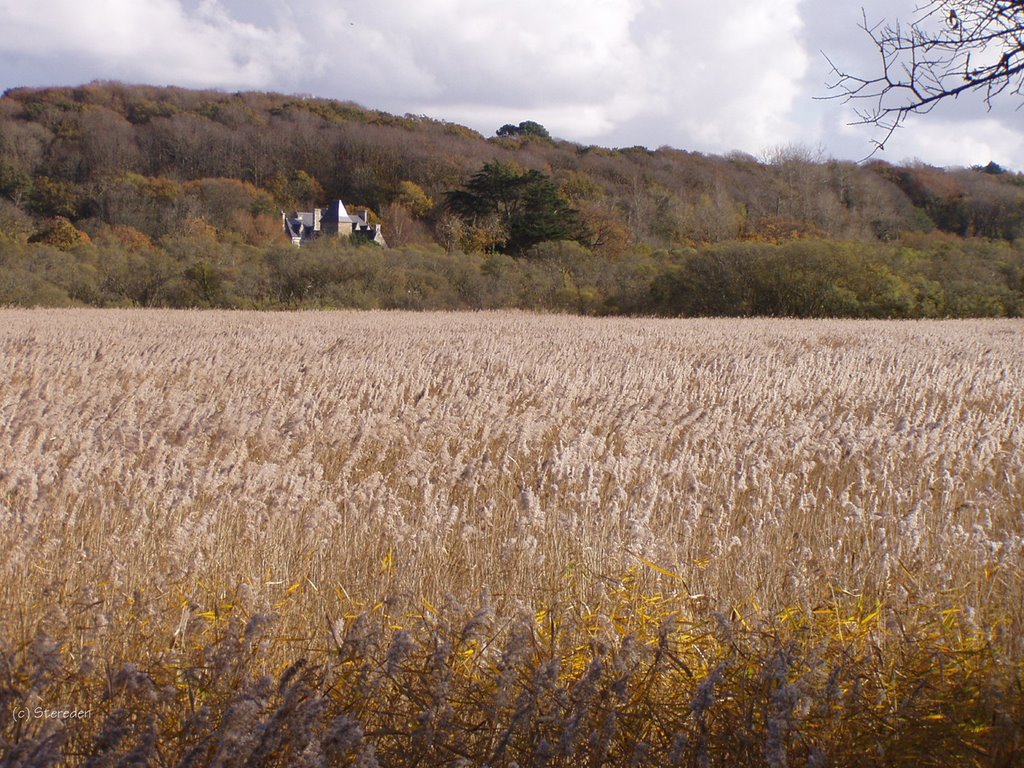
(336, 212)
(294, 227)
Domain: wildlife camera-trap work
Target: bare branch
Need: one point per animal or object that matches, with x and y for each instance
(951, 47)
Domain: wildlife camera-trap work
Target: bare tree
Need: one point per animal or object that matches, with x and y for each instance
(950, 47)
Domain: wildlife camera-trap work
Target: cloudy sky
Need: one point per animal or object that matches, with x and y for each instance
(705, 76)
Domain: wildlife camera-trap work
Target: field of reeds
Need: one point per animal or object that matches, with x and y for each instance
(499, 539)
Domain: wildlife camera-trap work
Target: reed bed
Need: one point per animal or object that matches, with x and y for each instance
(505, 539)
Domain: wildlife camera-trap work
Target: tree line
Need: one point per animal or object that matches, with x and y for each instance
(132, 195)
(919, 276)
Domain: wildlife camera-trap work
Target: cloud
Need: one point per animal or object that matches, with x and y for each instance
(144, 40)
(978, 141)
(534, 54)
(733, 74)
(616, 71)
(729, 72)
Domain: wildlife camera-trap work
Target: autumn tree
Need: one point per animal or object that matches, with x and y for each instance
(107, 142)
(23, 146)
(602, 229)
(298, 191)
(404, 214)
(60, 233)
(15, 224)
(155, 206)
(55, 198)
(414, 199)
(952, 47)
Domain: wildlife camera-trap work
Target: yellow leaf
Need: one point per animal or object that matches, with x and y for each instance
(788, 613)
(658, 568)
(871, 616)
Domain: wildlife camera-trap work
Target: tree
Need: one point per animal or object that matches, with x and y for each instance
(403, 215)
(952, 47)
(412, 197)
(15, 224)
(518, 208)
(107, 142)
(55, 197)
(60, 233)
(525, 128)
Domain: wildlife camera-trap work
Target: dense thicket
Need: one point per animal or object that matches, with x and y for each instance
(922, 276)
(113, 194)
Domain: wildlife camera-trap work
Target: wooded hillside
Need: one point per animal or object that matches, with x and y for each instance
(132, 195)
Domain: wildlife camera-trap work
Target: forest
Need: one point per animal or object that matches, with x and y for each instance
(117, 195)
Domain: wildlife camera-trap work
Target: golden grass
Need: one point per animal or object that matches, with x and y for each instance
(502, 537)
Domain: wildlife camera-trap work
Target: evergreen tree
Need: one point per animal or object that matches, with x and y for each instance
(526, 204)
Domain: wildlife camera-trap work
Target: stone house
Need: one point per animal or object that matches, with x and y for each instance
(333, 221)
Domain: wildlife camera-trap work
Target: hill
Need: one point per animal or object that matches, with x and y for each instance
(117, 194)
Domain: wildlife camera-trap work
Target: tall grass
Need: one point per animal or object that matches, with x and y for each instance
(333, 538)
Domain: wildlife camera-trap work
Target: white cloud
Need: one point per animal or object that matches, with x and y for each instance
(733, 74)
(977, 142)
(139, 40)
(618, 71)
(719, 76)
(569, 63)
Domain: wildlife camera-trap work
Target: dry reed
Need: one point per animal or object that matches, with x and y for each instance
(344, 538)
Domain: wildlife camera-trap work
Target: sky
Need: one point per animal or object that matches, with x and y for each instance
(713, 77)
